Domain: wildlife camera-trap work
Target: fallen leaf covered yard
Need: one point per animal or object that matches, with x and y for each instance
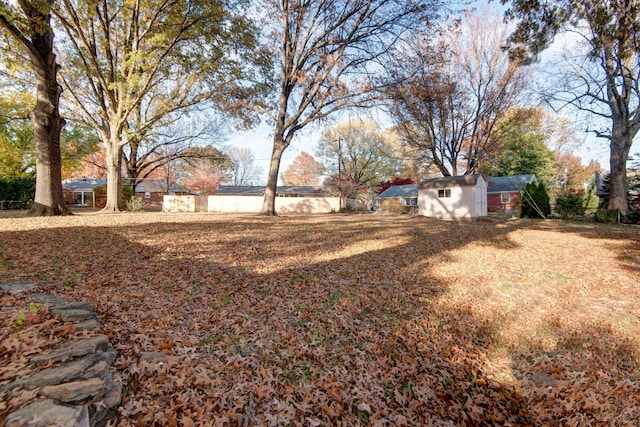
(340, 319)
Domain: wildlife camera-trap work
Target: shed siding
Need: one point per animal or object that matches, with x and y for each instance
(466, 201)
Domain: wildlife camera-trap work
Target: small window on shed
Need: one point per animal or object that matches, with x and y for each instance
(445, 192)
(505, 197)
(147, 195)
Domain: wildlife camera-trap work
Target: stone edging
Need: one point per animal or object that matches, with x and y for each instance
(76, 389)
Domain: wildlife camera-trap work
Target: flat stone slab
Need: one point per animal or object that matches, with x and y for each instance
(47, 413)
(83, 305)
(17, 287)
(73, 314)
(68, 371)
(75, 391)
(52, 300)
(88, 325)
(78, 348)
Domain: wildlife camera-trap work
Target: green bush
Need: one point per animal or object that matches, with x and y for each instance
(20, 191)
(607, 215)
(632, 217)
(570, 205)
(540, 202)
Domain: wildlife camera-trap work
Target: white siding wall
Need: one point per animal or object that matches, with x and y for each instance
(178, 203)
(253, 204)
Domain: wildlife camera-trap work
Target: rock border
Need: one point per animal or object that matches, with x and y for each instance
(76, 389)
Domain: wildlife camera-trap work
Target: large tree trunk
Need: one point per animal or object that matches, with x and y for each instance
(114, 178)
(269, 203)
(47, 124)
(619, 153)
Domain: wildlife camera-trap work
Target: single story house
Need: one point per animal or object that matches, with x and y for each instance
(504, 192)
(453, 197)
(397, 196)
(150, 191)
(81, 192)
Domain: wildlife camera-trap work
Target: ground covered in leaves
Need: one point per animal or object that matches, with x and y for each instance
(340, 320)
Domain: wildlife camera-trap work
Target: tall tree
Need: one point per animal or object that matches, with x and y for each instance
(359, 152)
(29, 25)
(136, 67)
(453, 90)
(326, 59)
(304, 170)
(604, 80)
(244, 169)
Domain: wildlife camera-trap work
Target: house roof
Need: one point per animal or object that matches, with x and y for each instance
(258, 190)
(399, 191)
(509, 184)
(160, 186)
(85, 184)
(448, 181)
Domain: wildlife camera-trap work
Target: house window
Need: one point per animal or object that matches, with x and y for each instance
(147, 195)
(409, 201)
(445, 192)
(505, 197)
(79, 198)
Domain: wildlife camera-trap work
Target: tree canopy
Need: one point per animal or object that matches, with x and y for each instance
(446, 93)
(359, 152)
(135, 68)
(602, 78)
(304, 170)
(518, 146)
(327, 54)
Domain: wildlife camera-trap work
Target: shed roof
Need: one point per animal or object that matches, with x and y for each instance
(509, 184)
(448, 181)
(398, 191)
(258, 190)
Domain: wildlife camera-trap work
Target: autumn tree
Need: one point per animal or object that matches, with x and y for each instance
(571, 175)
(326, 53)
(28, 24)
(304, 170)
(204, 180)
(244, 168)
(453, 88)
(602, 78)
(358, 151)
(137, 67)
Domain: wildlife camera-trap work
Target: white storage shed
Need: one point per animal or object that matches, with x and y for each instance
(453, 197)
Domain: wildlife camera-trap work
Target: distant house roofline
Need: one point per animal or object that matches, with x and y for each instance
(259, 190)
(399, 191)
(509, 184)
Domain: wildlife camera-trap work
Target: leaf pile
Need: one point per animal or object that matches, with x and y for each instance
(343, 320)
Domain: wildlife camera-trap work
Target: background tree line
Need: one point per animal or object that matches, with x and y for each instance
(151, 88)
